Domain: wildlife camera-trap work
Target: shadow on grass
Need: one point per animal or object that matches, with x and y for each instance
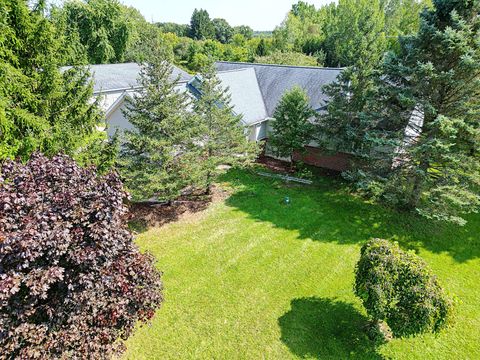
(326, 329)
(326, 212)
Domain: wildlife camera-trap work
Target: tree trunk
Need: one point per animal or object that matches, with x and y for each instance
(418, 183)
(208, 189)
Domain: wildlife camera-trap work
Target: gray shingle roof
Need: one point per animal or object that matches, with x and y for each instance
(109, 77)
(274, 80)
(245, 94)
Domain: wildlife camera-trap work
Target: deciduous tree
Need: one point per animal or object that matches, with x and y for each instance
(223, 30)
(102, 26)
(72, 282)
(287, 58)
(398, 288)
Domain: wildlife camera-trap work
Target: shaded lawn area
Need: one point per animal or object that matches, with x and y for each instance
(252, 278)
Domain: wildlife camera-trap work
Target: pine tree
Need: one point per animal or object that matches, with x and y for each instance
(261, 49)
(41, 108)
(201, 27)
(422, 142)
(292, 129)
(223, 137)
(158, 157)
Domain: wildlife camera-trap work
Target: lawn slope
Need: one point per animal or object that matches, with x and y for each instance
(251, 278)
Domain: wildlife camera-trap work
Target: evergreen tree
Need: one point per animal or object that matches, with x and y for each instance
(292, 129)
(222, 134)
(422, 142)
(201, 27)
(157, 155)
(262, 49)
(41, 108)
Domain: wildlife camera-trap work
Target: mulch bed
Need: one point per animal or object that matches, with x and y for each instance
(143, 216)
(274, 164)
(279, 166)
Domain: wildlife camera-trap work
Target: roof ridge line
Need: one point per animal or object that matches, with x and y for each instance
(233, 70)
(126, 63)
(281, 65)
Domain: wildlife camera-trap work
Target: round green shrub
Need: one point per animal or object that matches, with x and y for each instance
(398, 288)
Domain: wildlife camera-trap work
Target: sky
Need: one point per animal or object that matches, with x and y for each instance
(258, 14)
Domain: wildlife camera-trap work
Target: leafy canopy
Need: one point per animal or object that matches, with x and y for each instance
(397, 287)
(72, 282)
(102, 27)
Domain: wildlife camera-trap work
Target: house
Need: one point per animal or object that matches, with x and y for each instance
(112, 83)
(255, 91)
(274, 81)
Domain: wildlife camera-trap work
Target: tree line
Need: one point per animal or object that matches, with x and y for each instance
(106, 31)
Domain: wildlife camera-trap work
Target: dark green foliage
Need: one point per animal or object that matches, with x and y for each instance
(262, 49)
(398, 288)
(41, 108)
(223, 30)
(173, 149)
(102, 27)
(223, 137)
(291, 129)
(157, 157)
(201, 27)
(420, 132)
(343, 126)
(72, 283)
(177, 29)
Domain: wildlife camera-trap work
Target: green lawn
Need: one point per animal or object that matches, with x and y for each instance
(251, 278)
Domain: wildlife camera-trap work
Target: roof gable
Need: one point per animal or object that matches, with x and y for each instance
(275, 80)
(116, 77)
(246, 97)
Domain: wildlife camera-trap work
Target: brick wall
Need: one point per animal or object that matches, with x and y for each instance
(316, 157)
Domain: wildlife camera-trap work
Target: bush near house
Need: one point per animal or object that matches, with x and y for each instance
(72, 283)
(398, 288)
